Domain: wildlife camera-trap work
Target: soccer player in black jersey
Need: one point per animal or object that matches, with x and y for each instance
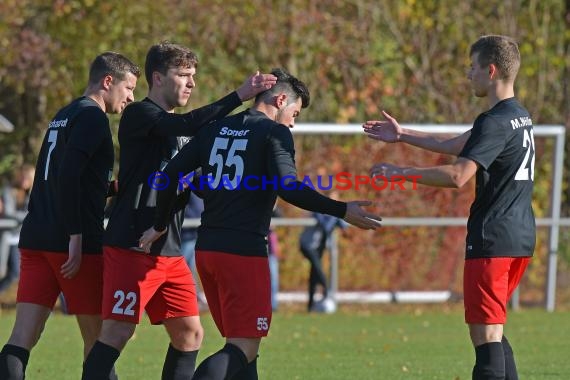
(499, 151)
(160, 283)
(247, 159)
(61, 239)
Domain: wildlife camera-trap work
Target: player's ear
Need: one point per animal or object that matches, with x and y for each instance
(107, 81)
(493, 71)
(281, 100)
(156, 78)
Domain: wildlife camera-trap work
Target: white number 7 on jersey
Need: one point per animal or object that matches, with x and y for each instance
(52, 140)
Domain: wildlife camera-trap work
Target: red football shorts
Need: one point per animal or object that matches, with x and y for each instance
(488, 284)
(41, 281)
(238, 292)
(134, 281)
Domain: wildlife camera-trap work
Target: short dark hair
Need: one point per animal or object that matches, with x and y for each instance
(292, 86)
(114, 64)
(165, 55)
(501, 51)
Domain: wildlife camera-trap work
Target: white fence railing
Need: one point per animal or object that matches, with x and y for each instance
(554, 222)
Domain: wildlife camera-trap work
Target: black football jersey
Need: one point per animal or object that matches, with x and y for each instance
(149, 139)
(501, 221)
(246, 161)
(72, 177)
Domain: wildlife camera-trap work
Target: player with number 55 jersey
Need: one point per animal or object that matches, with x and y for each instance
(248, 160)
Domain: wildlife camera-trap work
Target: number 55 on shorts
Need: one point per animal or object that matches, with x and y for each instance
(262, 324)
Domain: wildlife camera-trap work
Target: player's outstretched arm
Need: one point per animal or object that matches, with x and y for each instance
(452, 176)
(255, 84)
(188, 124)
(281, 165)
(390, 131)
(359, 217)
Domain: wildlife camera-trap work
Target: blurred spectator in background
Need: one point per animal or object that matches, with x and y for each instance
(274, 254)
(14, 200)
(313, 242)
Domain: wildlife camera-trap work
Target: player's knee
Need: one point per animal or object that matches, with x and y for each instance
(116, 334)
(250, 347)
(481, 334)
(251, 354)
(90, 327)
(188, 338)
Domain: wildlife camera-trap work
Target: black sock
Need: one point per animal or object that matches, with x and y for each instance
(510, 366)
(222, 365)
(248, 373)
(100, 362)
(179, 365)
(13, 362)
(113, 374)
(489, 362)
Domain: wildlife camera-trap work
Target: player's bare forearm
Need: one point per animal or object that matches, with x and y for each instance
(439, 176)
(453, 176)
(389, 130)
(435, 142)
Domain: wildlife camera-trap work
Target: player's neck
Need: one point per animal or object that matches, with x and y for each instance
(157, 98)
(267, 109)
(97, 97)
(500, 92)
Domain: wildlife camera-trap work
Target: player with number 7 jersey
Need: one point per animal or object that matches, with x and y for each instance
(61, 240)
(77, 132)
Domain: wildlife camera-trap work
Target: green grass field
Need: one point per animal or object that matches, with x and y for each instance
(385, 342)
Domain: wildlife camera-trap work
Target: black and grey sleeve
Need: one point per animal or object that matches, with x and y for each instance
(183, 163)
(281, 163)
